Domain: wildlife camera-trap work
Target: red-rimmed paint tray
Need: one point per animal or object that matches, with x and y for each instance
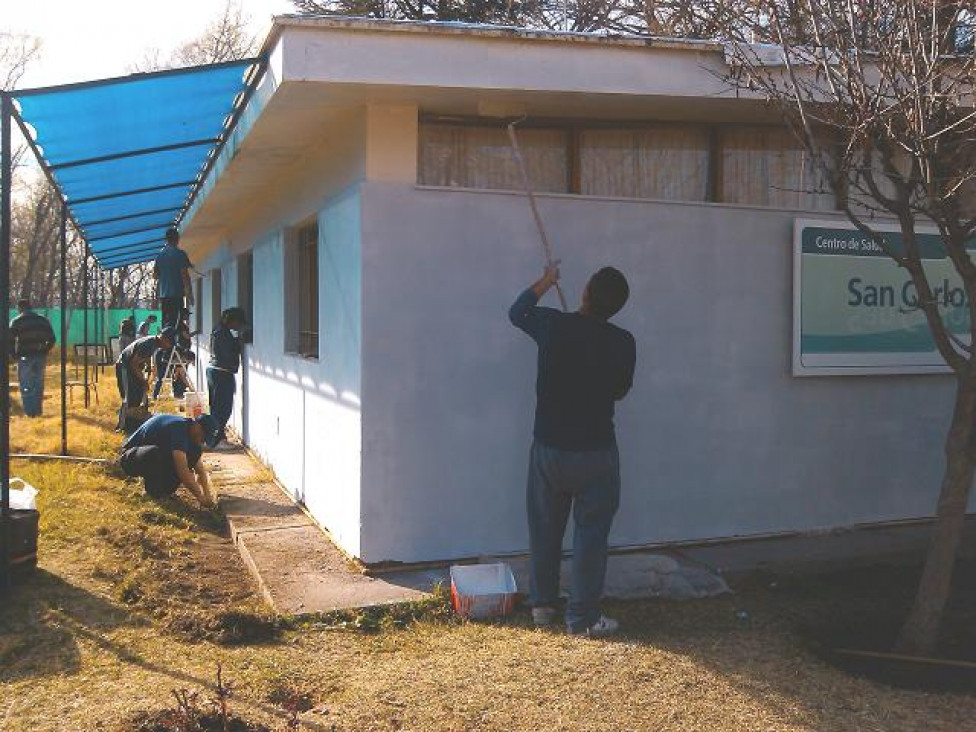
(482, 590)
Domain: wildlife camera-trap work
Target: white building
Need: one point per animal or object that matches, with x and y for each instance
(368, 207)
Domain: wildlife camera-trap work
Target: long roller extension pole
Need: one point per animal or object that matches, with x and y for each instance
(547, 249)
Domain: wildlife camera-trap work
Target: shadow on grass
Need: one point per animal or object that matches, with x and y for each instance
(39, 618)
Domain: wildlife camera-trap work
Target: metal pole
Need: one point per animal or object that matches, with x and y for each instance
(64, 329)
(84, 298)
(6, 111)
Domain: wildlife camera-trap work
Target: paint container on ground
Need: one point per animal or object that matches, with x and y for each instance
(482, 590)
(193, 404)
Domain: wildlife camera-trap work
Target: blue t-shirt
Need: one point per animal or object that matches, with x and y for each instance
(585, 365)
(170, 264)
(169, 432)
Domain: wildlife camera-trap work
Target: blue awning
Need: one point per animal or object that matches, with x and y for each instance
(128, 154)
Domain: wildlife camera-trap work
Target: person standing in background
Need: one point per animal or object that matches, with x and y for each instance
(225, 360)
(32, 337)
(145, 325)
(127, 332)
(172, 273)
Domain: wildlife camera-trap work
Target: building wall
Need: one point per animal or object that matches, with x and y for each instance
(302, 416)
(717, 439)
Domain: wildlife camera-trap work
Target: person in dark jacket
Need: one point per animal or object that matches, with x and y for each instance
(127, 332)
(225, 360)
(165, 452)
(585, 365)
(130, 371)
(32, 338)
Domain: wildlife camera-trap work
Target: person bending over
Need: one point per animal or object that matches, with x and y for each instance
(165, 452)
(585, 365)
(130, 371)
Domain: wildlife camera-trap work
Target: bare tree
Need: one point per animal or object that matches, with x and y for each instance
(881, 96)
(16, 54)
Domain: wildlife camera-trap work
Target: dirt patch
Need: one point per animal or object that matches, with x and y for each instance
(863, 609)
(194, 585)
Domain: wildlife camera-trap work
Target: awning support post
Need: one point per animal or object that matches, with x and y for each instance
(65, 312)
(6, 165)
(85, 275)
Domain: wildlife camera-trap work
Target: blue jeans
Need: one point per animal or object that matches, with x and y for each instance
(30, 374)
(221, 387)
(588, 483)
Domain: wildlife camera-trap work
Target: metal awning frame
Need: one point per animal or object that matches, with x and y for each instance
(132, 253)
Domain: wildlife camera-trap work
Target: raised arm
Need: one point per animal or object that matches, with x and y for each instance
(524, 313)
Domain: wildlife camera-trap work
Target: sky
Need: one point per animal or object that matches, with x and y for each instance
(92, 39)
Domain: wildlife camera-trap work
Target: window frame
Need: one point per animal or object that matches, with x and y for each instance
(302, 327)
(245, 292)
(216, 296)
(576, 126)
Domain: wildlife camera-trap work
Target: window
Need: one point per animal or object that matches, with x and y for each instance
(215, 300)
(198, 307)
(302, 302)
(669, 163)
(245, 292)
(748, 165)
(764, 166)
(468, 156)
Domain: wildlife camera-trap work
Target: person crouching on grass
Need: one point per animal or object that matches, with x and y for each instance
(165, 452)
(585, 365)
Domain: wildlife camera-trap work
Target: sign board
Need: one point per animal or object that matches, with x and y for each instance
(855, 310)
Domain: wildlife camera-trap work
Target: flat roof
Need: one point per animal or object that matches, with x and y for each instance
(501, 32)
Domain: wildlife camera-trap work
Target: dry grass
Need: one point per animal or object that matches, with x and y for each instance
(95, 639)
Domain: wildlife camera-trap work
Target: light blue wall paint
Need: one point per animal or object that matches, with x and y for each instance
(303, 415)
(717, 439)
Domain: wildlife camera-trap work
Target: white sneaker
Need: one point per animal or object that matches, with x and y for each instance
(543, 616)
(602, 628)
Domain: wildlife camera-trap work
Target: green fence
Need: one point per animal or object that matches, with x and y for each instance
(107, 322)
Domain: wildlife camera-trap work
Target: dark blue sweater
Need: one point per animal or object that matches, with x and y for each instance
(225, 349)
(585, 365)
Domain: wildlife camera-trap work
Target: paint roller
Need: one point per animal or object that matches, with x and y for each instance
(520, 163)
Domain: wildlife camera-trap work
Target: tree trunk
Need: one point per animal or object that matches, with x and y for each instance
(920, 633)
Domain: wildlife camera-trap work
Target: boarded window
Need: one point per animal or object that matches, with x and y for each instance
(669, 163)
(302, 302)
(215, 297)
(245, 292)
(468, 156)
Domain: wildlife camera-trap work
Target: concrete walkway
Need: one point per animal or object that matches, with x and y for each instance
(300, 571)
(295, 566)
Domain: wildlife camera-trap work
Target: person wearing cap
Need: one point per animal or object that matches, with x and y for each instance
(145, 325)
(31, 337)
(225, 360)
(130, 370)
(165, 452)
(172, 273)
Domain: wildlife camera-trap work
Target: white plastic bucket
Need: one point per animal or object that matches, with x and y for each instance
(482, 590)
(193, 404)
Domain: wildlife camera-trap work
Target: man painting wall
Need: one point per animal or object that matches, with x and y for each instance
(172, 273)
(585, 365)
(32, 338)
(225, 361)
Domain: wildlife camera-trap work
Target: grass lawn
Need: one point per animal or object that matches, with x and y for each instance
(135, 599)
